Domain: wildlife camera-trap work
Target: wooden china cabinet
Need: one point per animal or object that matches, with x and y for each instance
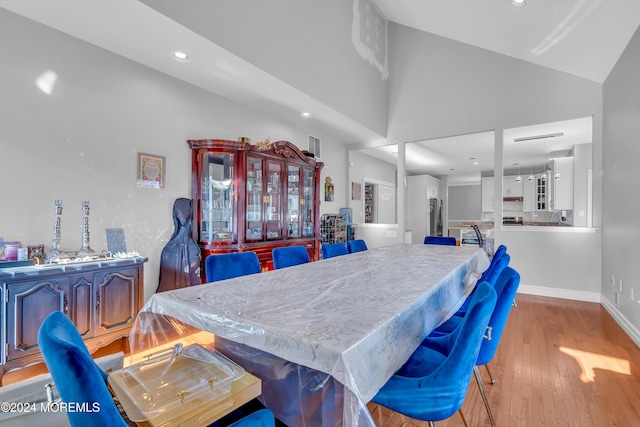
(254, 198)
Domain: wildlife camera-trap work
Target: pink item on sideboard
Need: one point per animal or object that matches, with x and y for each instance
(10, 251)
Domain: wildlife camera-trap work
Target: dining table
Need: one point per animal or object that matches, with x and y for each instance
(323, 336)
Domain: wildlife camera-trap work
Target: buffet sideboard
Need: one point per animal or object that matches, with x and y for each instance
(102, 298)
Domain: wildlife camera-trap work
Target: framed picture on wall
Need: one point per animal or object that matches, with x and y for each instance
(328, 190)
(151, 170)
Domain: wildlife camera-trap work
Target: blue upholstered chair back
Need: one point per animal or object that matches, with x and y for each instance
(496, 266)
(287, 256)
(502, 249)
(330, 250)
(432, 385)
(440, 240)
(228, 266)
(356, 246)
(506, 287)
(78, 379)
(260, 418)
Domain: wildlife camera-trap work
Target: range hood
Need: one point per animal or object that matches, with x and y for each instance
(512, 199)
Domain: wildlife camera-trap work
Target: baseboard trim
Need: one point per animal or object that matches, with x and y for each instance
(621, 320)
(560, 293)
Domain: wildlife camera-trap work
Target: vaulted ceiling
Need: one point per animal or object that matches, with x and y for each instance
(580, 37)
(584, 38)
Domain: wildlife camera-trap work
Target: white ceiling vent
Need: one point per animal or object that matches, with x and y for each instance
(314, 146)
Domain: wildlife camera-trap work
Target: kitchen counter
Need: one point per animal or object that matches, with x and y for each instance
(546, 224)
(548, 228)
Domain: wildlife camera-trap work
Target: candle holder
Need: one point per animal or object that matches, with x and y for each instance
(85, 250)
(54, 253)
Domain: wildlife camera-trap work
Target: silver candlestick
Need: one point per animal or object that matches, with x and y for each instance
(55, 253)
(85, 250)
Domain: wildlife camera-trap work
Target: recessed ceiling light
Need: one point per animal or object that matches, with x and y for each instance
(180, 56)
(518, 3)
(305, 114)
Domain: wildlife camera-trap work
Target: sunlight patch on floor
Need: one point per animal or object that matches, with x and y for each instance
(589, 362)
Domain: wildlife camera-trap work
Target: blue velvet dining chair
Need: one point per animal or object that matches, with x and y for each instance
(330, 250)
(260, 418)
(228, 266)
(497, 256)
(76, 376)
(432, 384)
(495, 268)
(80, 380)
(287, 256)
(356, 246)
(502, 249)
(490, 276)
(506, 287)
(249, 415)
(440, 240)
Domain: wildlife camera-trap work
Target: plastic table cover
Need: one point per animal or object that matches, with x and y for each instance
(349, 321)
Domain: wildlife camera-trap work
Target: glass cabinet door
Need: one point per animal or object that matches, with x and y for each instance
(306, 204)
(216, 221)
(273, 200)
(254, 199)
(293, 201)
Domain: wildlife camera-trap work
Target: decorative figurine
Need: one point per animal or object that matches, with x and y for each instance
(54, 253)
(180, 258)
(85, 250)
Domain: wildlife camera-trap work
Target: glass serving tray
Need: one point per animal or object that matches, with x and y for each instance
(172, 380)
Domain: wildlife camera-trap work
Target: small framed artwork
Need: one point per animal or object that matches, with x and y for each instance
(151, 170)
(356, 191)
(328, 190)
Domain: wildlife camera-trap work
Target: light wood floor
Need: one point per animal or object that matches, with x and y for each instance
(559, 363)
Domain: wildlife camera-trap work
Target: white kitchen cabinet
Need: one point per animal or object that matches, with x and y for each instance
(488, 194)
(511, 187)
(433, 187)
(561, 183)
(529, 195)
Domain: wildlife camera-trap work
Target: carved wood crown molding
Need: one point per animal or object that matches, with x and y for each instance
(284, 149)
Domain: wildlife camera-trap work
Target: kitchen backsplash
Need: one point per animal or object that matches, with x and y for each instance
(514, 209)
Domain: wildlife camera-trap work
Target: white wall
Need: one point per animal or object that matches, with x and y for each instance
(582, 164)
(307, 44)
(80, 142)
(464, 203)
(362, 165)
(440, 87)
(621, 204)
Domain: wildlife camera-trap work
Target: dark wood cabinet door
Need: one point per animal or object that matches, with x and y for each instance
(29, 303)
(81, 304)
(115, 299)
